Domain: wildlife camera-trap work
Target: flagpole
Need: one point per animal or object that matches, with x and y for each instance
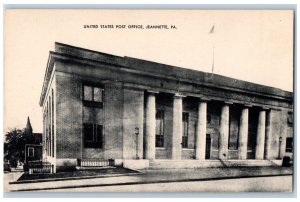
(213, 59)
(212, 30)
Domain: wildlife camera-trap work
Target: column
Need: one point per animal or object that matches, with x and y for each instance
(260, 139)
(243, 134)
(268, 134)
(201, 131)
(47, 129)
(177, 127)
(44, 132)
(50, 127)
(150, 126)
(224, 132)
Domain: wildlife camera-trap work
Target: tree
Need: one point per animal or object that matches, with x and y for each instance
(14, 146)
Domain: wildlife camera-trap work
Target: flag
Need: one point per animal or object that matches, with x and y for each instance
(212, 30)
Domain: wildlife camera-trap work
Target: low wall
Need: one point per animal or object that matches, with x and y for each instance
(118, 162)
(65, 164)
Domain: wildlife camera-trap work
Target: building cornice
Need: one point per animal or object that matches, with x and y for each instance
(136, 66)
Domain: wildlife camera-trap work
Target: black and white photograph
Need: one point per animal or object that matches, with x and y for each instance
(148, 100)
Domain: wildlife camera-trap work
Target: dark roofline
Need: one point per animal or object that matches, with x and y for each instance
(212, 78)
(85, 49)
(141, 65)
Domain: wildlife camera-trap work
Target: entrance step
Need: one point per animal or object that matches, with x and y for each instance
(169, 164)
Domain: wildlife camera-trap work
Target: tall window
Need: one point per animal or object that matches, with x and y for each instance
(289, 144)
(159, 138)
(233, 134)
(208, 118)
(92, 96)
(290, 118)
(93, 135)
(185, 129)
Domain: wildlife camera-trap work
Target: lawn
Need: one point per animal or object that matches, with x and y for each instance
(77, 173)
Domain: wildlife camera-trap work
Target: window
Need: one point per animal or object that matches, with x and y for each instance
(93, 135)
(97, 94)
(208, 118)
(185, 129)
(208, 146)
(93, 96)
(290, 118)
(88, 93)
(289, 144)
(159, 131)
(30, 152)
(233, 134)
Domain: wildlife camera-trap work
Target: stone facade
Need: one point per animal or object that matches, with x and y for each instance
(219, 117)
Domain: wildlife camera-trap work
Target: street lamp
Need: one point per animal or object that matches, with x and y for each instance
(280, 140)
(136, 132)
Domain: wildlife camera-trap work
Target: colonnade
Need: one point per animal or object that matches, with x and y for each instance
(263, 138)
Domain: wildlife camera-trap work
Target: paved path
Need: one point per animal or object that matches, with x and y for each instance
(259, 184)
(156, 176)
(11, 177)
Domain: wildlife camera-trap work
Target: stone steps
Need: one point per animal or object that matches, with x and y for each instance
(169, 164)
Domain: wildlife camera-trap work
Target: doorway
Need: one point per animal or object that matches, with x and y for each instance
(207, 146)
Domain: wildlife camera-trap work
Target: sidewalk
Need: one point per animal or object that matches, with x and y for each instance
(157, 176)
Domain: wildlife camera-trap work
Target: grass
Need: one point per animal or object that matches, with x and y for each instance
(77, 173)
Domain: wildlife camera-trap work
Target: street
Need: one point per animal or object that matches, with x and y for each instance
(259, 184)
(185, 180)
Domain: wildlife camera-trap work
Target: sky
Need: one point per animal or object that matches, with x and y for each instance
(255, 46)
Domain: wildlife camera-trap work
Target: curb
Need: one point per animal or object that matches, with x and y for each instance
(151, 182)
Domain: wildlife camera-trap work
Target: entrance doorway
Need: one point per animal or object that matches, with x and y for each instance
(208, 146)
